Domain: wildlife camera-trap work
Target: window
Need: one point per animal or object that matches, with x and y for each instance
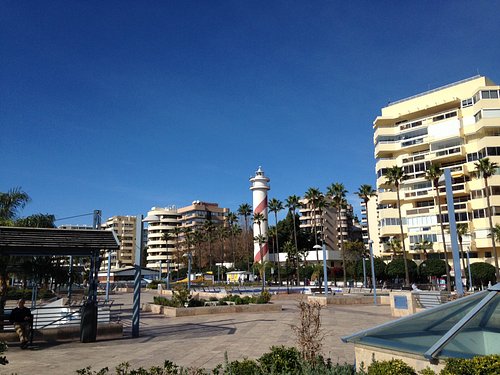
(491, 113)
(487, 254)
(423, 237)
(489, 94)
(466, 103)
(478, 116)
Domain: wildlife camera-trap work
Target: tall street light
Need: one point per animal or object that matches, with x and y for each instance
(325, 275)
(445, 180)
(189, 256)
(374, 279)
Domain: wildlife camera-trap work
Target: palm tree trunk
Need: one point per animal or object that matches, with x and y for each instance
(277, 262)
(490, 220)
(246, 244)
(407, 275)
(448, 278)
(462, 253)
(296, 248)
(339, 223)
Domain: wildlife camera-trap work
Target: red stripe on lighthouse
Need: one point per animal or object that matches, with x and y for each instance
(261, 207)
(264, 250)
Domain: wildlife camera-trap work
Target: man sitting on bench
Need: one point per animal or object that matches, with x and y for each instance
(21, 317)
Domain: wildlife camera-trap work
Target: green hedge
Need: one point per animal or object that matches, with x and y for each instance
(283, 360)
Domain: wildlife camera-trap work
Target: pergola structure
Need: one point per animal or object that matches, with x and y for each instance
(20, 241)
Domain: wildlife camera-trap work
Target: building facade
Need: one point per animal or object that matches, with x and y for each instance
(166, 232)
(329, 227)
(125, 230)
(452, 126)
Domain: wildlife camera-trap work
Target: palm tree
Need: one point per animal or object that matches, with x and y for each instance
(292, 202)
(365, 192)
(432, 174)
(10, 203)
(462, 230)
(176, 232)
(487, 168)
(424, 246)
(245, 210)
(232, 219)
(395, 246)
(394, 176)
(208, 228)
(222, 233)
(198, 239)
(337, 192)
(313, 196)
(496, 232)
(275, 206)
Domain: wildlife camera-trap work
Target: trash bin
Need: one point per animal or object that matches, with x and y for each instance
(88, 323)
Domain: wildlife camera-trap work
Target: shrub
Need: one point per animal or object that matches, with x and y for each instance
(244, 367)
(432, 267)
(392, 367)
(396, 268)
(153, 284)
(308, 332)
(483, 365)
(264, 297)
(281, 360)
(427, 371)
(482, 273)
(180, 295)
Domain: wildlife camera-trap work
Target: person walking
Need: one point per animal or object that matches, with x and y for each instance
(21, 318)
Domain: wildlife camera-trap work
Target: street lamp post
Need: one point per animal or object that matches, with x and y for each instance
(168, 275)
(446, 180)
(468, 269)
(325, 275)
(188, 255)
(374, 279)
(108, 277)
(364, 272)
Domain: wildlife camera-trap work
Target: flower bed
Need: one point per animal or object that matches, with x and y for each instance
(174, 312)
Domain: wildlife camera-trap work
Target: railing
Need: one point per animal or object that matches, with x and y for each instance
(64, 315)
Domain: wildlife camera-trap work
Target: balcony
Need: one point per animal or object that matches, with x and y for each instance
(419, 211)
(449, 154)
(389, 231)
(387, 197)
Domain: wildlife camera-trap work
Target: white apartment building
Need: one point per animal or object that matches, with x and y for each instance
(452, 126)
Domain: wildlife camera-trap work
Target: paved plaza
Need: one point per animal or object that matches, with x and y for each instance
(198, 341)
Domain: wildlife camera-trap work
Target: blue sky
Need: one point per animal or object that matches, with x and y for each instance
(125, 105)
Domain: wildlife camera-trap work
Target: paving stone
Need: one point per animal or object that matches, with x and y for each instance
(197, 341)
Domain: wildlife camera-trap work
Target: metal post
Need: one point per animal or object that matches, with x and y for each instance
(453, 233)
(160, 272)
(108, 277)
(325, 274)
(168, 275)
(364, 272)
(137, 301)
(189, 272)
(136, 309)
(374, 279)
(468, 269)
(70, 277)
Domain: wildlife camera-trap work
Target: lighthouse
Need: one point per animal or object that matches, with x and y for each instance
(260, 186)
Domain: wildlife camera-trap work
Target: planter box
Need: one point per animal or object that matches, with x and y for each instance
(173, 312)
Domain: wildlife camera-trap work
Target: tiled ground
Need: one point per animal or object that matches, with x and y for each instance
(199, 341)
